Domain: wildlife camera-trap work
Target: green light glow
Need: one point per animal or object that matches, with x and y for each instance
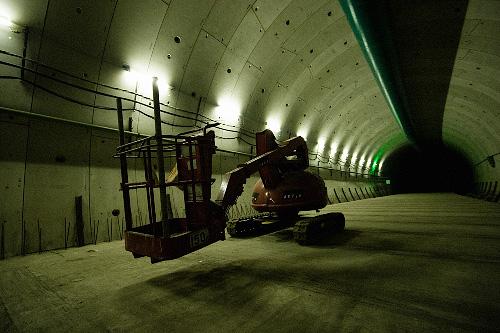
(388, 146)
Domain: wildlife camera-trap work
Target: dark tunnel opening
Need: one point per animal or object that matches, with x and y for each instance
(430, 170)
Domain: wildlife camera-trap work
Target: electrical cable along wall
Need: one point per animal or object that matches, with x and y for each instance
(185, 118)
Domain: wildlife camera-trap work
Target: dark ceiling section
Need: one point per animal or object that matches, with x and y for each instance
(371, 23)
(427, 36)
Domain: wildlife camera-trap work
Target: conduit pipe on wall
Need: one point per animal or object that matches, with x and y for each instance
(370, 22)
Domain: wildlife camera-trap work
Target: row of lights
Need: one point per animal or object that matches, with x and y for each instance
(227, 109)
(275, 126)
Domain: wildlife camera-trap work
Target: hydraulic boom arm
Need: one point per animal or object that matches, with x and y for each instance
(292, 155)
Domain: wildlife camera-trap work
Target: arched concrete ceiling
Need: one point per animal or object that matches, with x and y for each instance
(472, 115)
(292, 65)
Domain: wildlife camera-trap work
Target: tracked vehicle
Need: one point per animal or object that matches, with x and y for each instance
(284, 188)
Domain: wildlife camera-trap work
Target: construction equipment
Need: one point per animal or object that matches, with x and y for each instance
(204, 223)
(284, 187)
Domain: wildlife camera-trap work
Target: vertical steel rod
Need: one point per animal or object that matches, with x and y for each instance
(39, 237)
(23, 236)
(124, 171)
(79, 220)
(149, 181)
(161, 165)
(151, 203)
(25, 48)
(2, 243)
(65, 233)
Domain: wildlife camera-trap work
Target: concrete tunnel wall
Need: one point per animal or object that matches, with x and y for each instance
(299, 64)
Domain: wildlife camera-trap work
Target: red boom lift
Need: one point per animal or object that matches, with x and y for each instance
(284, 187)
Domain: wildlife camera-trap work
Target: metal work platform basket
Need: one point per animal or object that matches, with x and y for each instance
(171, 237)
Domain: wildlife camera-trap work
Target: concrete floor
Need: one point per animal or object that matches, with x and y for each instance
(415, 263)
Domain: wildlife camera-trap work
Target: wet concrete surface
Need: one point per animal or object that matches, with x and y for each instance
(414, 263)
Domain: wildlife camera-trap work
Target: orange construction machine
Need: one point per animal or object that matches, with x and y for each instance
(284, 187)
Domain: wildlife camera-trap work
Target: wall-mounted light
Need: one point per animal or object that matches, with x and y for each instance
(321, 144)
(302, 133)
(354, 157)
(345, 155)
(144, 81)
(5, 20)
(228, 111)
(274, 125)
(131, 76)
(334, 148)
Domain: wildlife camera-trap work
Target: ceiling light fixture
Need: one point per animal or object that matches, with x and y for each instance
(228, 111)
(334, 148)
(274, 125)
(321, 144)
(345, 155)
(16, 28)
(5, 20)
(303, 133)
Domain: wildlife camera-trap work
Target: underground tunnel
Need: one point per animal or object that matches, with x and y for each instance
(294, 165)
